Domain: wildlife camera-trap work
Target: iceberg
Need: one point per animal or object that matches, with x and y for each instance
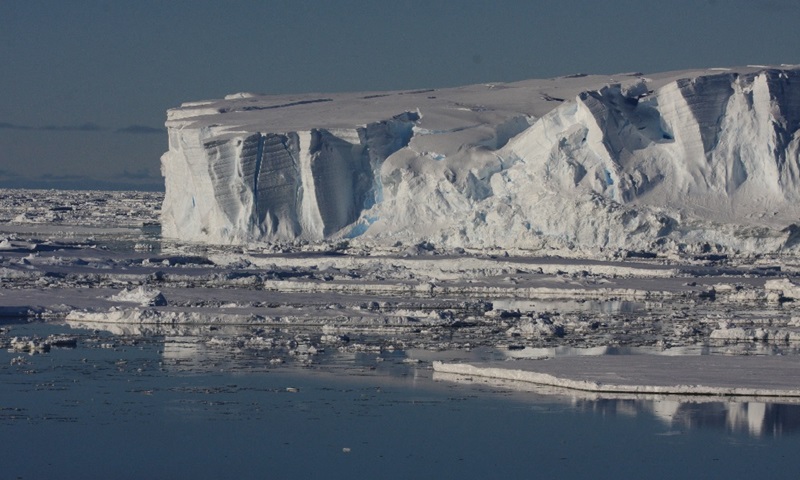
(690, 161)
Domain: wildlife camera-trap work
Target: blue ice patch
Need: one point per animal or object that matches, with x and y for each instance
(609, 180)
(361, 227)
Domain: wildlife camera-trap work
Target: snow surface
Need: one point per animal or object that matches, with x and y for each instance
(685, 161)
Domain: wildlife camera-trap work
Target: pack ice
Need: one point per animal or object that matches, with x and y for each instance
(679, 161)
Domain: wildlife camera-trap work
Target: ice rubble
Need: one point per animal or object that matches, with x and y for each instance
(683, 160)
(142, 295)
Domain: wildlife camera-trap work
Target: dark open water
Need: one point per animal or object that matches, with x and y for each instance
(160, 408)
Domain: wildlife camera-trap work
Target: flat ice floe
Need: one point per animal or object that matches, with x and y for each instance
(719, 375)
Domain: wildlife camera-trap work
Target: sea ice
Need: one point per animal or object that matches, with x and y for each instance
(143, 295)
(647, 374)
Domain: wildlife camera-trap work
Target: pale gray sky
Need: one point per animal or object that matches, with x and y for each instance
(86, 83)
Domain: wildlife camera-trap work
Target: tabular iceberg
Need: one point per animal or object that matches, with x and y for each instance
(682, 160)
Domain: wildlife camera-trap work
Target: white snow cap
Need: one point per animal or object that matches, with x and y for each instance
(694, 160)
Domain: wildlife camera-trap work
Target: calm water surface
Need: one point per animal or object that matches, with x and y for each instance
(165, 408)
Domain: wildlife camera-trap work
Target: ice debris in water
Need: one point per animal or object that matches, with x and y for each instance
(41, 345)
(143, 295)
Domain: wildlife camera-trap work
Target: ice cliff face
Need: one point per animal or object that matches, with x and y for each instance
(681, 160)
(239, 187)
(726, 141)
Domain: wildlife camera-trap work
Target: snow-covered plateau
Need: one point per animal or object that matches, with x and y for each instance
(704, 161)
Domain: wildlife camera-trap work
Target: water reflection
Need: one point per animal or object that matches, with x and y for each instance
(241, 349)
(755, 416)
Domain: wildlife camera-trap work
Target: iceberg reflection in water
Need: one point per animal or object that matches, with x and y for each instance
(232, 348)
(756, 417)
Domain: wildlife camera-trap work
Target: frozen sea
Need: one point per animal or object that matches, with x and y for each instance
(128, 356)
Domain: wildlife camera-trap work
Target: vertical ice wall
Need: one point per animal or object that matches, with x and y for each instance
(721, 142)
(237, 187)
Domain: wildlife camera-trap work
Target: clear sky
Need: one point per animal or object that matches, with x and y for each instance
(86, 83)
